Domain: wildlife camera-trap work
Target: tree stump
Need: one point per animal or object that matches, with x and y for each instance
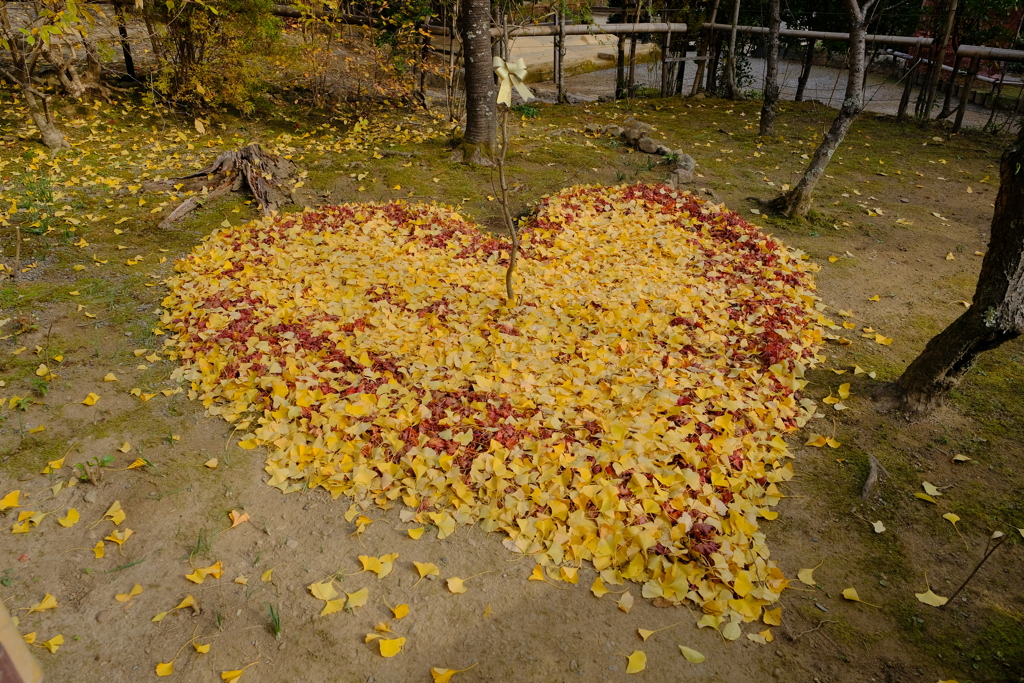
(249, 169)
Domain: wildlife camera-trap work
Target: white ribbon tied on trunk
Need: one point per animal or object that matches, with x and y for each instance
(511, 75)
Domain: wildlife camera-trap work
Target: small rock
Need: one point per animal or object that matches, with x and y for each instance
(685, 162)
(777, 673)
(593, 128)
(904, 201)
(613, 130)
(104, 616)
(90, 496)
(281, 646)
(648, 145)
(573, 665)
(291, 544)
(821, 607)
(431, 577)
(357, 164)
(664, 151)
(28, 476)
(638, 131)
(814, 539)
(679, 177)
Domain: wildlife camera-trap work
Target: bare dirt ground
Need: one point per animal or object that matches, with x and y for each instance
(903, 209)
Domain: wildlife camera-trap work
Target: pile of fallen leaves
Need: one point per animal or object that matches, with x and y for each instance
(628, 412)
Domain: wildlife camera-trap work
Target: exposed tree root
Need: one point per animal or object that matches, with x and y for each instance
(249, 168)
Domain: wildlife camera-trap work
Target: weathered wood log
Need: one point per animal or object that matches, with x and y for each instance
(249, 169)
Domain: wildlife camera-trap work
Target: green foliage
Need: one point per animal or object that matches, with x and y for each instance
(275, 619)
(527, 110)
(214, 53)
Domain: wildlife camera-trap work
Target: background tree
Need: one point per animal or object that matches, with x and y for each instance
(24, 40)
(480, 138)
(771, 81)
(797, 202)
(996, 314)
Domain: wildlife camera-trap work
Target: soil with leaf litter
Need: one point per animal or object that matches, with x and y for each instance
(628, 413)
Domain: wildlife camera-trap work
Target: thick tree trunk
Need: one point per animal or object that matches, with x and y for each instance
(67, 74)
(996, 314)
(805, 72)
(39, 110)
(797, 202)
(771, 81)
(479, 142)
(731, 91)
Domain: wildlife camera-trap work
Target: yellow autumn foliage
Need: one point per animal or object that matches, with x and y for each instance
(628, 412)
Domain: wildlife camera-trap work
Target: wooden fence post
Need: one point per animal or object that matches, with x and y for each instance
(965, 94)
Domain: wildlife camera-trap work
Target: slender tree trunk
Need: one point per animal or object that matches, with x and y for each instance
(940, 58)
(947, 103)
(479, 142)
(805, 72)
(620, 68)
(732, 91)
(996, 314)
(707, 43)
(126, 47)
(771, 81)
(797, 202)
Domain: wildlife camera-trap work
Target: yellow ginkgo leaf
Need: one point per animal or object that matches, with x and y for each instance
(400, 610)
(125, 597)
(10, 500)
(597, 588)
(952, 518)
(427, 569)
(389, 647)
(70, 519)
(189, 601)
(637, 662)
(930, 598)
(91, 399)
(878, 527)
(332, 606)
(201, 649)
(806, 576)
(691, 655)
(851, 594)
(97, 550)
(625, 603)
(357, 599)
(645, 634)
(925, 496)
(48, 602)
(930, 489)
(415, 533)
(109, 377)
(537, 574)
(455, 585)
(159, 617)
(445, 675)
(53, 644)
(114, 513)
(323, 590)
(267, 575)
